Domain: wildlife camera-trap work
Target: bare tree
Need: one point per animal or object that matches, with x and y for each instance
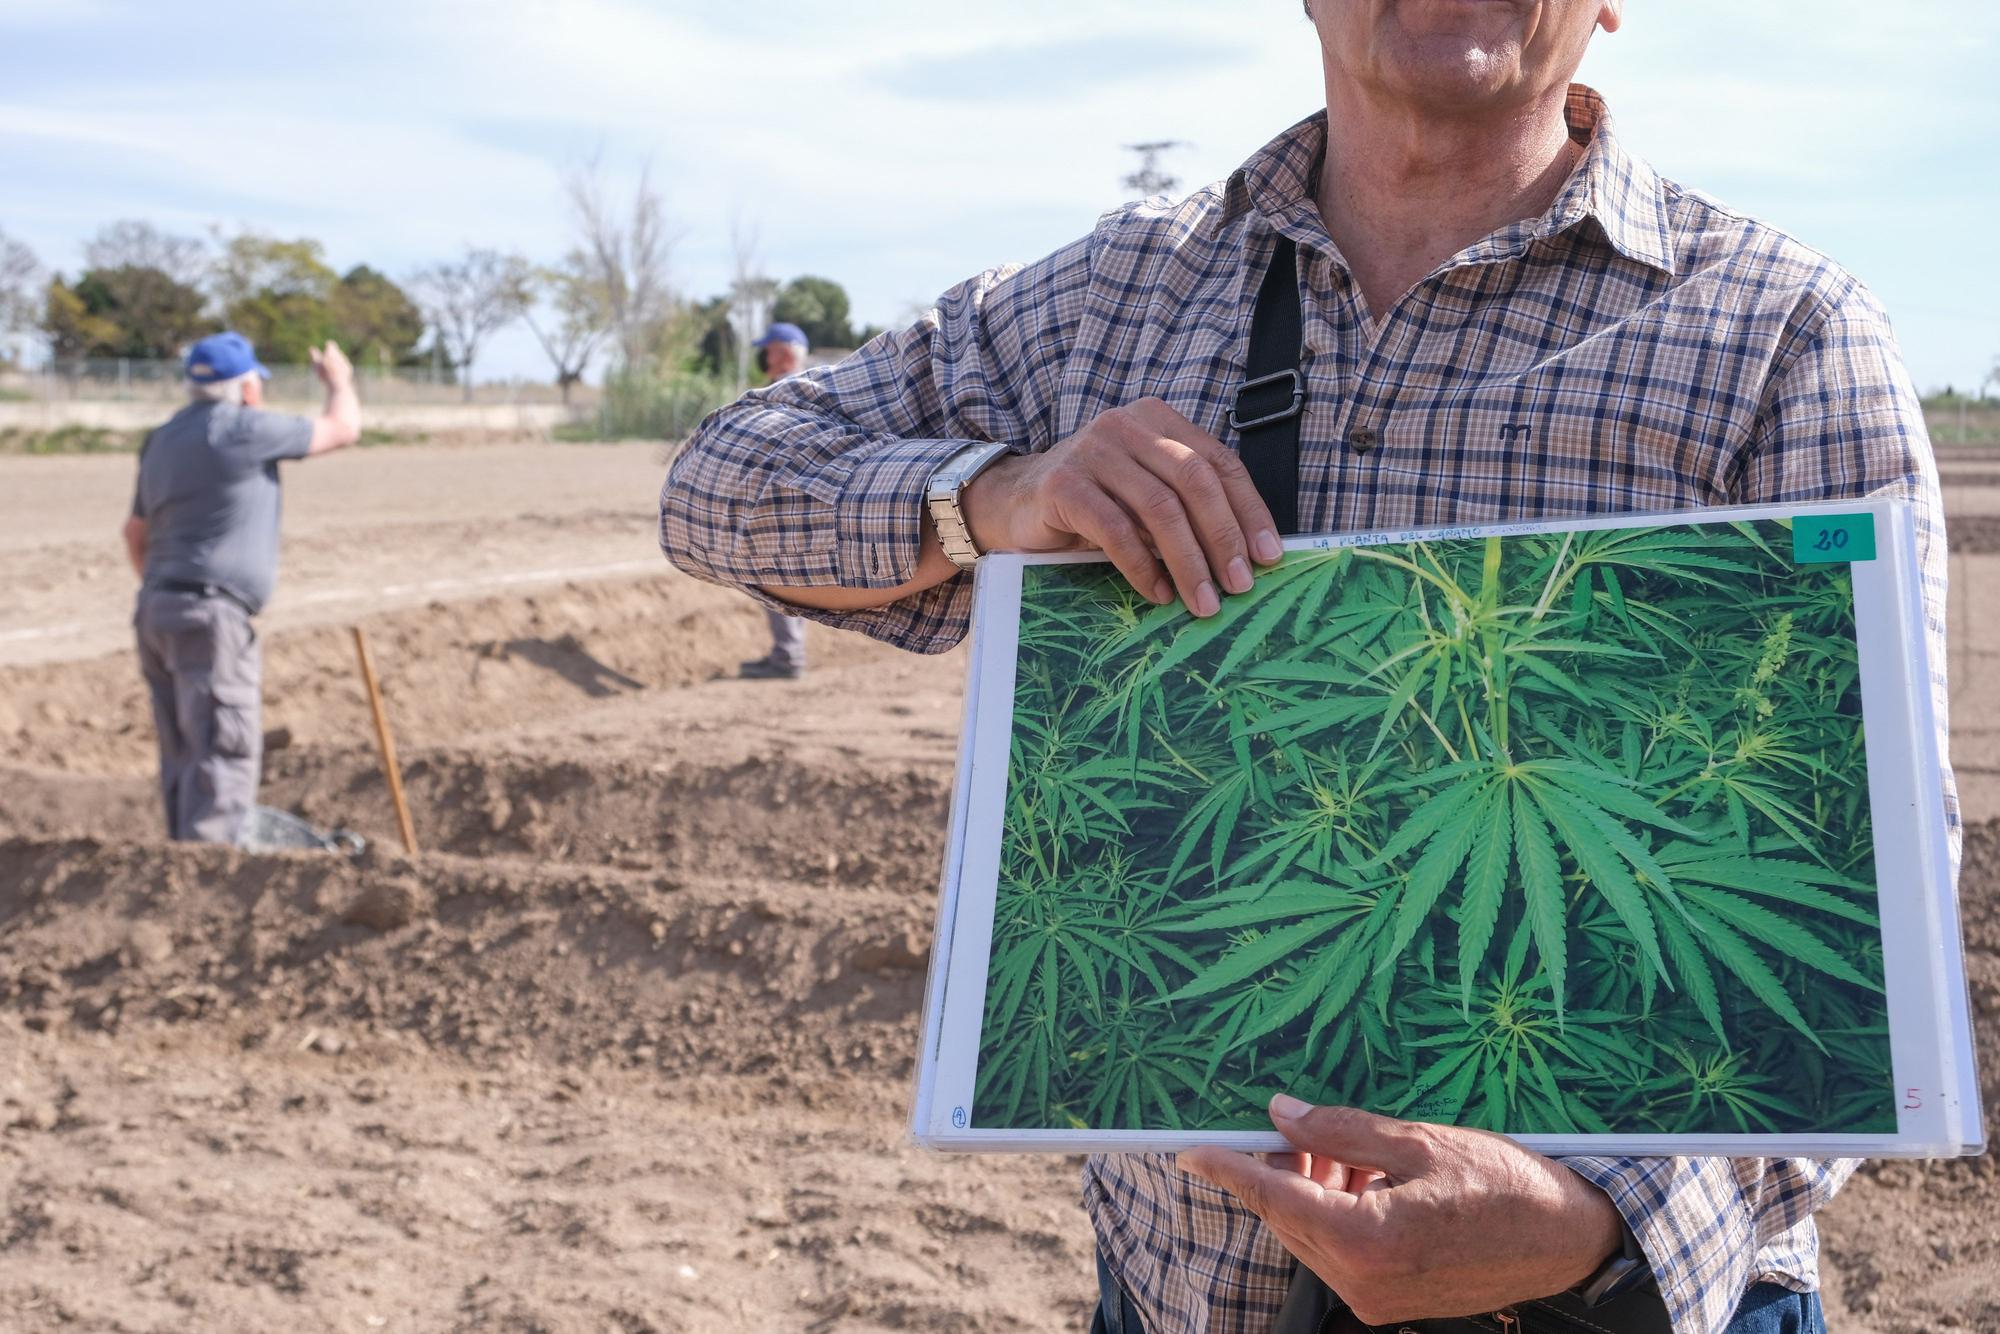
(627, 256)
(751, 296)
(578, 319)
(467, 299)
(131, 243)
(20, 275)
(1151, 178)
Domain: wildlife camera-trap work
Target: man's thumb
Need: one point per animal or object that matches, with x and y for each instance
(1352, 1136)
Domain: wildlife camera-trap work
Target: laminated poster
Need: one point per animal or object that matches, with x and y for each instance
(1619, 835)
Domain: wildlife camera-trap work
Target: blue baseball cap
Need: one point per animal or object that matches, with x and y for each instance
(223, 356)
(784, 333)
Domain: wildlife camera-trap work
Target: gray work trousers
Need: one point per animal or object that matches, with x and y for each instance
(788, 638)
(204, 667)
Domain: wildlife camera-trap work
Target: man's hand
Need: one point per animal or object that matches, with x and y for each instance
(339, 423)
(1407, 1221)
(1170, 504)
(335, 371)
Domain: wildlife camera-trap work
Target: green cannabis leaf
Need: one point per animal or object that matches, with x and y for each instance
(1560, 832)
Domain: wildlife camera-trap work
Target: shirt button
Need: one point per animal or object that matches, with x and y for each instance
(1363, 438)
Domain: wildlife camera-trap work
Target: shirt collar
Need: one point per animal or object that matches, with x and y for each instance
(1616, 190)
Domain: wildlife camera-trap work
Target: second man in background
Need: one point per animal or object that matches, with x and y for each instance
(782, 350)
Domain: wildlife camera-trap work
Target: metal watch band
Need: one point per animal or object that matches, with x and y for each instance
(1618, 1275)
(947, 483)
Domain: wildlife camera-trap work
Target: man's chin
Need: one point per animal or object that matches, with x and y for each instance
(1455, 78)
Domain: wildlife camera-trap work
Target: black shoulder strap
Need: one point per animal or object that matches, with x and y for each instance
(1266, 415)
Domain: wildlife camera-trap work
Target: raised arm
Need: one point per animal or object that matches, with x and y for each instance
(339, 422)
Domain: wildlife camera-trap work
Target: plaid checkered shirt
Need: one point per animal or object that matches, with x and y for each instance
(1637, 347)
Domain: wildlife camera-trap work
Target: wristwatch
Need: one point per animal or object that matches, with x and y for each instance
(1625, 1270)
(947, 484)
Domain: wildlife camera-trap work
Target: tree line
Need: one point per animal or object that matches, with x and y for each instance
(146, 293)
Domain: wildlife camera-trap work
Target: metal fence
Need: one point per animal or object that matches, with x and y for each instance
(126, 380)
(654, 407)
(1963, 421)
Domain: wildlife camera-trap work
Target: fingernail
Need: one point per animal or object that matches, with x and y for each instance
(1285, 1105)
(1163, 592)
(1239, 575)
(1266, 546)
(1205, 601)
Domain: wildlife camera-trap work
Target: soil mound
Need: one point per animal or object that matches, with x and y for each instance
(756, 815)
(690, 976)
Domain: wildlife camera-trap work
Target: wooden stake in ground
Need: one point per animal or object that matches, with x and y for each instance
(388, 744)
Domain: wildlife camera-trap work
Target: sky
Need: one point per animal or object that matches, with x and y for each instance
(899, 146)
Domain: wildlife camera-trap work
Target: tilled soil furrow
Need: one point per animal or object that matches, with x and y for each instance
(449, 669)
(759, 815)
(806, 818)
(279, 1188)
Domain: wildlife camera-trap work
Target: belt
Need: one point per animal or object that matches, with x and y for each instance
(202, 590)
(1311, 1308)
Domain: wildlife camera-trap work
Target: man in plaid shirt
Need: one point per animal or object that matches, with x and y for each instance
(1506, 316)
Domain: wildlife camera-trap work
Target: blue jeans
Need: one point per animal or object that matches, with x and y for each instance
(1115, 1312)
(1766, 1309)
(1770, 1309)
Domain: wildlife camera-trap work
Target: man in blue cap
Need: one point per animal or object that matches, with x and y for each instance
(203, 537)
(782, 352)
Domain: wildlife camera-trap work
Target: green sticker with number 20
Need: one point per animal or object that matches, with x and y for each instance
(1818, 538)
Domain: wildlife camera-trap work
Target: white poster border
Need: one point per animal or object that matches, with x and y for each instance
(1929, 1018)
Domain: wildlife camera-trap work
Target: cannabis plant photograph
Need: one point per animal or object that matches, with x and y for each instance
(1559, 833)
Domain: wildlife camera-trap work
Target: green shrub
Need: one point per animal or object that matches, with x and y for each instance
(1960, 419)
(370, 438)
(655, 406)
(70, 439)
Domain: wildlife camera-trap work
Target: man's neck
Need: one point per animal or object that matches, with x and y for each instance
(1400, 194)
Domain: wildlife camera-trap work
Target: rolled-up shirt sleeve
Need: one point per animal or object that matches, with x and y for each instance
(1839, 420)
(819, 479)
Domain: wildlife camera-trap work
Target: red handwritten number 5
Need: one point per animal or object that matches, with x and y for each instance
(1912, 1099)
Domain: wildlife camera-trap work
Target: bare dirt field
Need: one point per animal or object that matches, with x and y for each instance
(629, 1046)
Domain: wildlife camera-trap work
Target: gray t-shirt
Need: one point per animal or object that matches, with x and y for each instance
(208, 491)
